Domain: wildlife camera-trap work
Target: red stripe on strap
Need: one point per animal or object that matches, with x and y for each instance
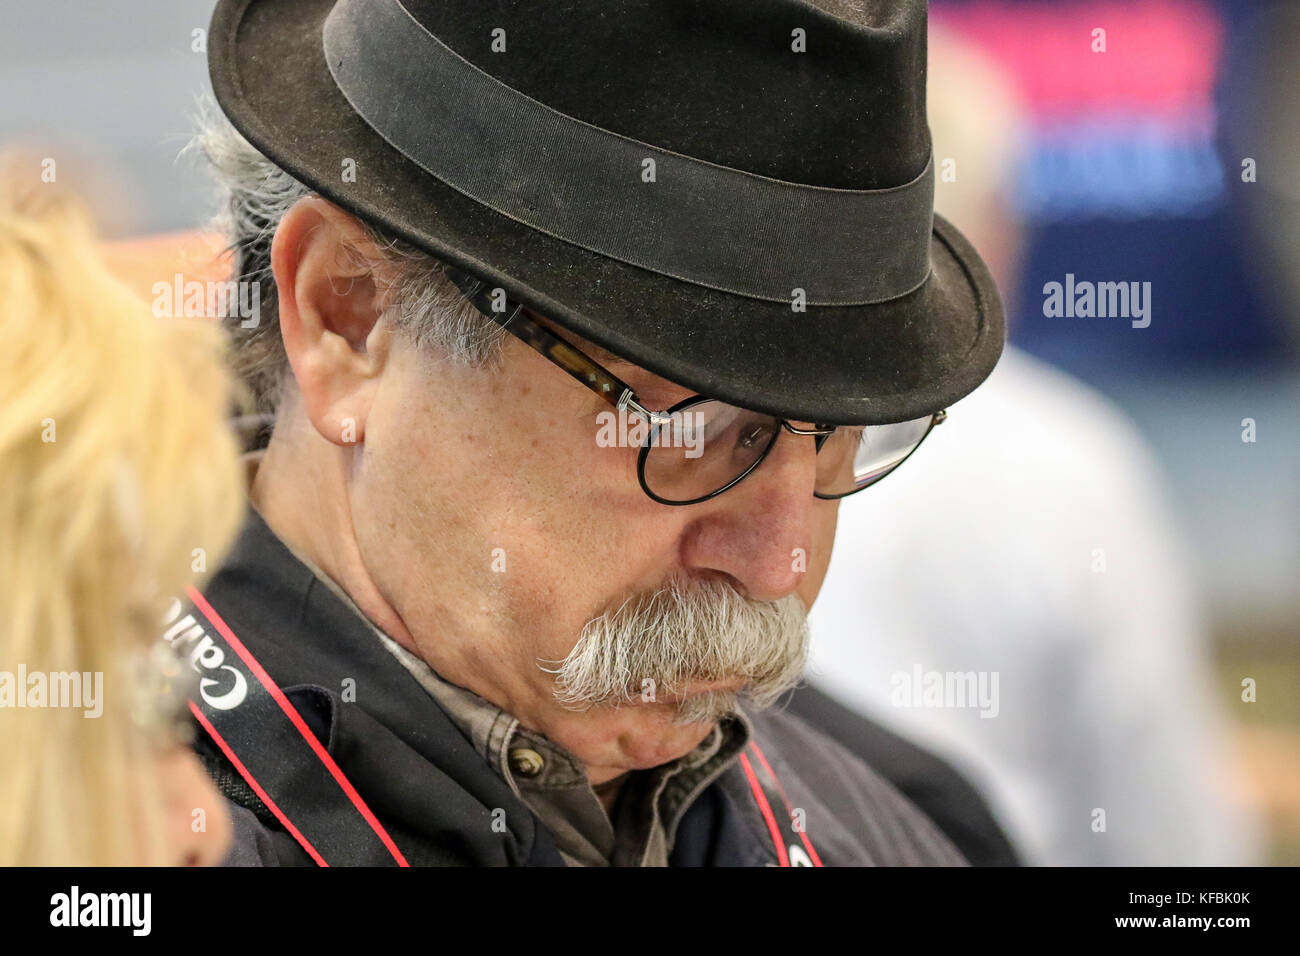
(296, 718)
(812, 854)
(257, 787)
(766, 809)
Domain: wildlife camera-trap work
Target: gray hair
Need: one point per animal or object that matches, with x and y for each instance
(255, 195)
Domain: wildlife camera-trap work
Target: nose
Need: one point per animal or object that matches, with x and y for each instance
(759, 532)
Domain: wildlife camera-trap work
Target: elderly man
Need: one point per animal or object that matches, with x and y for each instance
(468, 621)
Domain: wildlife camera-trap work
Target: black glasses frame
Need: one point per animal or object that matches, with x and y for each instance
(819, 435)
(515, 319)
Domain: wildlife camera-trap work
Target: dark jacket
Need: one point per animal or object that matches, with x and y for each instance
(398, 761)
(940, 791)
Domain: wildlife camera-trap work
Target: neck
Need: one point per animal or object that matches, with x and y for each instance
(300, 491)
(608, 791)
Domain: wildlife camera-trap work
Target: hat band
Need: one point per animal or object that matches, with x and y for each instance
(675, 215)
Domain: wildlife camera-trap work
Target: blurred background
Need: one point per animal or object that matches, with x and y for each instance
(1174, 158)
(1169, 154)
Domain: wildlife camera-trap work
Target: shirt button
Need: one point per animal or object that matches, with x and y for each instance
(526, 762)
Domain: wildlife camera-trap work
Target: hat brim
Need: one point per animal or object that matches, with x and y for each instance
(887, 362)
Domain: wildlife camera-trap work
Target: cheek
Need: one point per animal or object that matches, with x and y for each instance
(410, 472)
(500, 493)
(491, 495)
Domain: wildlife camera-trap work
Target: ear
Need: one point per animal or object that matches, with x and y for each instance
(325, 275)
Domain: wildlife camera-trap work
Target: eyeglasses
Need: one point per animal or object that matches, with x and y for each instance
(700, 447)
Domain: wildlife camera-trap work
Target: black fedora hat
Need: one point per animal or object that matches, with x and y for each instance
(734, 194)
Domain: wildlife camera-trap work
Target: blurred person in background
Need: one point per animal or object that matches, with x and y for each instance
(1031, 544)
(116, 473)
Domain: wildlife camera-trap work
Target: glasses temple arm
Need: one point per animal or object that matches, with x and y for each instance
(514, 319)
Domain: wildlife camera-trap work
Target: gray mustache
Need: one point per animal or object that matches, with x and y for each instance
(657, 642)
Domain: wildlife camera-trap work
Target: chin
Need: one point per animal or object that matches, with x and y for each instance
(653, 739)
(634, 736)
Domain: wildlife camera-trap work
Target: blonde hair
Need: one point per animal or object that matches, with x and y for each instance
(115, 465)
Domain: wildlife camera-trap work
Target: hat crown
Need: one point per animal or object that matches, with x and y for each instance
(786, 259)
(841, 104)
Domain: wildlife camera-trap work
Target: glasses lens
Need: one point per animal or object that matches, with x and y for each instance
(704, 448)
(853, 458)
